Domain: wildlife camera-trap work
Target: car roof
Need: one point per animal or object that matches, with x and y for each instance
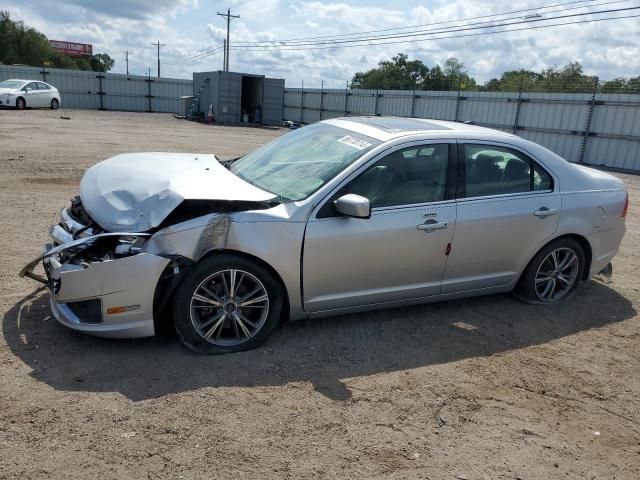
(387, 128)
(22, 80)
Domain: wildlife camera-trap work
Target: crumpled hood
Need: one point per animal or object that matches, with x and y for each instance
(135, 192)
(8, 90)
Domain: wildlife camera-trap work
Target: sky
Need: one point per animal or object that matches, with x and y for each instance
(608, 49)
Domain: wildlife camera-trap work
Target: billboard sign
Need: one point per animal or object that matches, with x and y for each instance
(72, 49)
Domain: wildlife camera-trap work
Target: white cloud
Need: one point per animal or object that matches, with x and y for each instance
(607, 49)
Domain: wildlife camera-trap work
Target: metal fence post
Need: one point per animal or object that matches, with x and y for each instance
(148, 95)
(321, 98)
(517, 115)
(413, 101)
(346, 99)
(375, 107)
(284, 95)
(302, 102)
(587, 126)
(101, 93)
(458, 102)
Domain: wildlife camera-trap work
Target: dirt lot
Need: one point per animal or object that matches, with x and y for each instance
(487, 388)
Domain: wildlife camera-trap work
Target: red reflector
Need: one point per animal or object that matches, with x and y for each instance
(626, 206)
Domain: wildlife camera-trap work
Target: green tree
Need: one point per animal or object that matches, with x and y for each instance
(397, 73)
(621, 85)
(456, 74)
(402, 73)
(569, 78)
(436, 80)
(22, 44)
(514, 80)
(101, 62)
(25, 45)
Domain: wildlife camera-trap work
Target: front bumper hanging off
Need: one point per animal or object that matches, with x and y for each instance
(110, 298)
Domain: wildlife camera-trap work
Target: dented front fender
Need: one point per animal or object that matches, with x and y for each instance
(191, 239)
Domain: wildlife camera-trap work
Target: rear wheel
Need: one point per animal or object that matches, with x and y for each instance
(54, 104)
(227, 304)
(20, 103)
(554, 273)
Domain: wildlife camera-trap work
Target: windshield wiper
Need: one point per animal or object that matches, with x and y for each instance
(227, 163)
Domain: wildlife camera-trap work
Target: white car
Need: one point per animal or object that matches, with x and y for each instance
(28, 93)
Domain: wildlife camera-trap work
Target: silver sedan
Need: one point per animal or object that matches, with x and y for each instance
(340, 216)
(23, 94)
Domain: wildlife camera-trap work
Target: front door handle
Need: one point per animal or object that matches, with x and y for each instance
(432, 225)
(545, 212)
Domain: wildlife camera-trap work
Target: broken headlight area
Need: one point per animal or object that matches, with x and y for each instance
(80, 253)
(101, 248)
(74, 223)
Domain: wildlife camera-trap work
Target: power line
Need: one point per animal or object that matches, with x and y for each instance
(426, 33)
(275, 47)
(481, 25)
(197, 56)
(158, 44)
(429, 34)
(265, 44)
(226, 52)
(441, 22)
(576, 22)
(544, 7)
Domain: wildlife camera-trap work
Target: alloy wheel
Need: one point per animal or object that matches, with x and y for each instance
(229, 307)
(557, 274)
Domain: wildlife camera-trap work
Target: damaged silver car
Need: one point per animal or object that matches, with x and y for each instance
(340, 216)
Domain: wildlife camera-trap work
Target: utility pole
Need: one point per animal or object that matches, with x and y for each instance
(158, 44)
(228, 16)
(126, 58)
(224, 55)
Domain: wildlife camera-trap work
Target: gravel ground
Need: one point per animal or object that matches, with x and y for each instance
(486, 388)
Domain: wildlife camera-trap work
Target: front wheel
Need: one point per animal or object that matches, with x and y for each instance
(54, 104)
(554, 273)
(20, 103)
(227, 304)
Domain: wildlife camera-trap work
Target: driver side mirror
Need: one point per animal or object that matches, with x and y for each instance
(28, 89)
(352, 205)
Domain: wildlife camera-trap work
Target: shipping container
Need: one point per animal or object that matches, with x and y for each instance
(236, 98)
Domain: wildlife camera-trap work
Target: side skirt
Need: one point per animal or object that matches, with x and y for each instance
(417, 301)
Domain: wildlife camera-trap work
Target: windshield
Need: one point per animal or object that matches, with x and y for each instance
(297, 164)
(11, 84)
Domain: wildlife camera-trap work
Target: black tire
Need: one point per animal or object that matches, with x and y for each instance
(541, 274)
(209, 271)
(54, 104)
(20, 103)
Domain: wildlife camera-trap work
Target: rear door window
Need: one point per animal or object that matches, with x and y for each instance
(494, 170)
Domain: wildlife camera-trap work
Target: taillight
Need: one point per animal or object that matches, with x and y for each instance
(626, 206)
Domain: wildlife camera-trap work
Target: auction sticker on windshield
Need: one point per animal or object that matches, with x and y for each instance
(354, 142)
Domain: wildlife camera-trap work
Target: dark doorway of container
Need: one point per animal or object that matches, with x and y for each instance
(251, 99)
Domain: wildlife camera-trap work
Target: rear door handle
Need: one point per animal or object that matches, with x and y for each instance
(545, 212)
(432, 225)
